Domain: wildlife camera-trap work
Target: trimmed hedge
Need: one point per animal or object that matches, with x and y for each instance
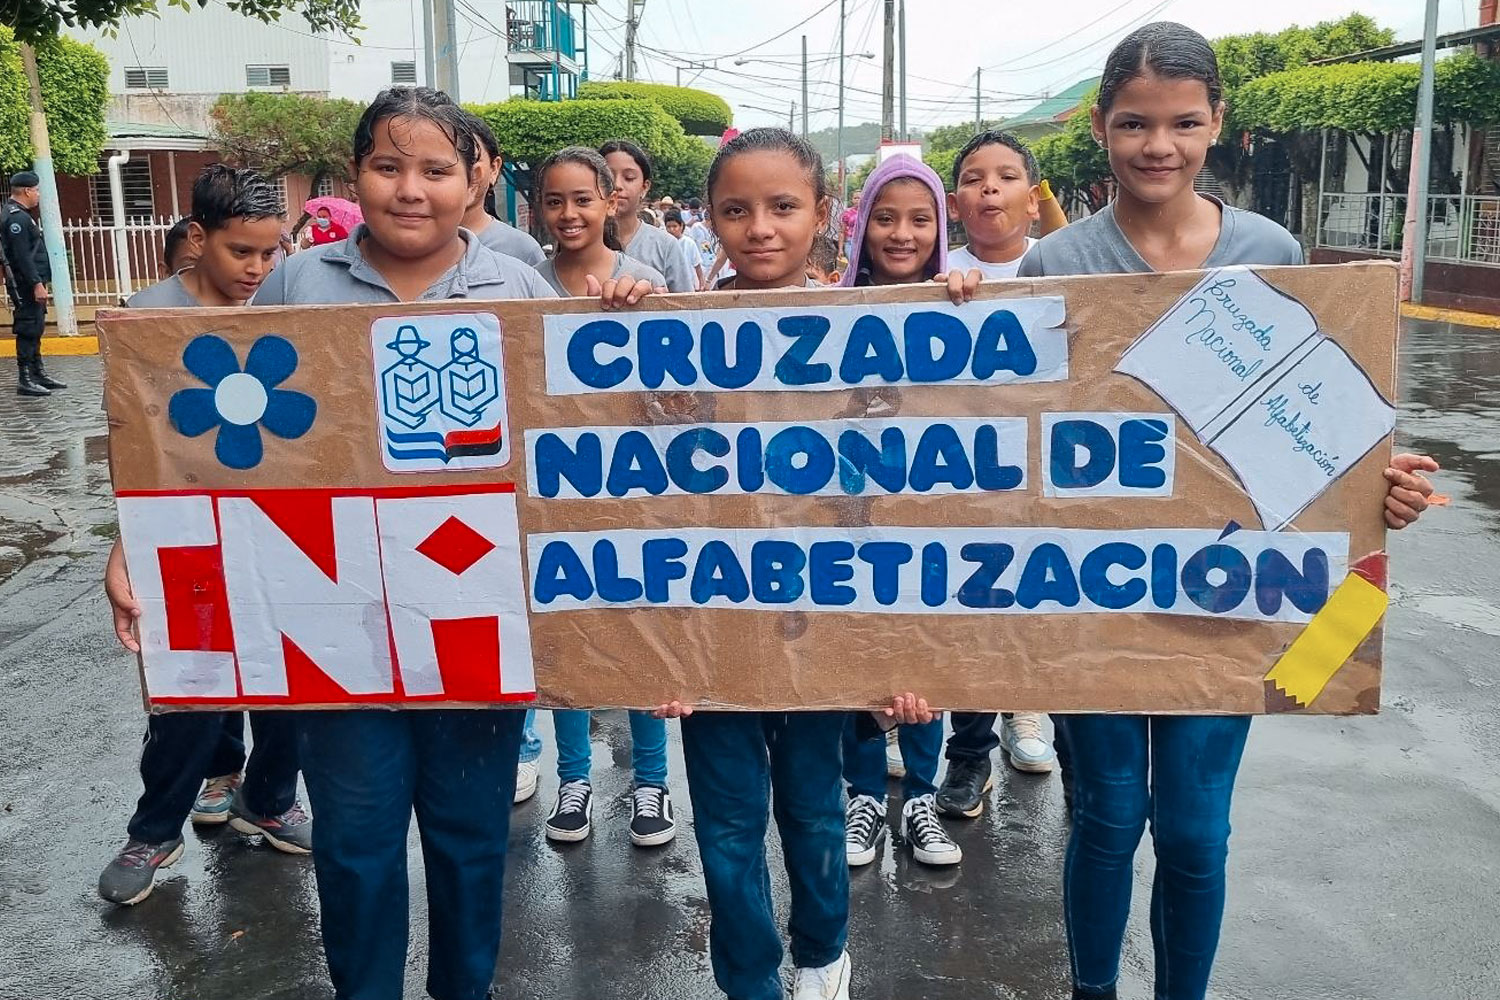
(75, 91)
(530, 131)
(697, 111)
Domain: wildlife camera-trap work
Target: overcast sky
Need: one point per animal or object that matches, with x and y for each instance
(1026, 50)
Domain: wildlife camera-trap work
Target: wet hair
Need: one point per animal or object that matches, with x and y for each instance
(825, 253)
(416, 102)
(1167, 49)
(583, 156)
(771, 140)
(640, 156)
(174, 243)
(223, 193)
(995, 137)
(672, 215)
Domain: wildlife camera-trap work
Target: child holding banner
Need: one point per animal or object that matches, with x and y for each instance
(1158, 112)
(368, 770)
(900, 236)
(193, 764)
(575, 201)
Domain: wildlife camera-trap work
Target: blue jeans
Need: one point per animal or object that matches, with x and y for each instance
(1177, 772)
(183, 749)
(575, 754)
(864, 760)
(531, 740)
(733, 761)
(367, 771)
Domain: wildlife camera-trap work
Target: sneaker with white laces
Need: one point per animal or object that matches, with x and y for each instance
(526, 778)
(921, 828)
(864, 825)
(290, 832)
(570, 821)
(212, 804)
(1025, 746)
(895, 764)
(652, 822)
(831, 982)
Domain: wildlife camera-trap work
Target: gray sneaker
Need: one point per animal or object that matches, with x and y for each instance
(290, 832)
(128, 879)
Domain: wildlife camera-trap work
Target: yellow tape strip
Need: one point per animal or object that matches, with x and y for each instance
(1353, 611)
(55, 346)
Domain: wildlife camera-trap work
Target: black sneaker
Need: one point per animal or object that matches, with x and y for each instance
(291, 832)
(923, 831)
(965, 786)
(130, 877)
(864, 825)
(569, 821)
(651, 821)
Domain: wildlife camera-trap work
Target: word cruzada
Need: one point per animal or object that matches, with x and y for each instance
(1253, 575)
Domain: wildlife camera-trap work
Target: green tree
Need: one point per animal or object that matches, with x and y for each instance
(280, 134)
(697, 111)
(682, 171)
(36, 21)
(75, 90)
(1073, 163)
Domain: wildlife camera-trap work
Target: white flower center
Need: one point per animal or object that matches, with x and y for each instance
(240, 399)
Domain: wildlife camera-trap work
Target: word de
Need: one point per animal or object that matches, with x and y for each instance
(835, 347)
(820, 458)
(1108, 454)
(1251, 575)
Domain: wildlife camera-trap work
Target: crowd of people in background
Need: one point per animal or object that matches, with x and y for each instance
(423, 171)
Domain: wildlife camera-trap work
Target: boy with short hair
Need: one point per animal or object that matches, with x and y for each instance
(823, 262)
(676, 228)
(193, 763)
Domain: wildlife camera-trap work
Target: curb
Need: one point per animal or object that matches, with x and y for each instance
(56, 346)
(1456, 316)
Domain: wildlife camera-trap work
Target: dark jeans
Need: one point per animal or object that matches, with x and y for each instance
(367, 770)
(182, 749)
(28, 320)
(864, 760)
(974, 736)
(1178, 772)
(733, 761)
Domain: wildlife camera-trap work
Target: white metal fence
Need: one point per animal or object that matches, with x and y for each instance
(1460, 228)
(91, 257)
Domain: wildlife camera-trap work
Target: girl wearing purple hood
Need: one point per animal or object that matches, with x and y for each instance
(900, 236)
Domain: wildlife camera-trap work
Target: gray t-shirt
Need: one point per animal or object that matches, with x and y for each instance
(657, 248)
(625, 267)
(1096, 245)
(504, 238)
(169, 294)
(337, 273)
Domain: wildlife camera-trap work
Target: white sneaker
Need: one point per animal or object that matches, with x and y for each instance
(864, 825)
(921, 828)
(525, 781)
(831, 982)
(895, 764)
(1025, 746)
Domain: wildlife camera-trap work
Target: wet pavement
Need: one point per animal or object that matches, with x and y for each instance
(1364, 863)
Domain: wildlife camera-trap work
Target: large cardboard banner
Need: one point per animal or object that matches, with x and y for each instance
(1145, 493)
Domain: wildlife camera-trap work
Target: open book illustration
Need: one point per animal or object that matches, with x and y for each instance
(1246, 367)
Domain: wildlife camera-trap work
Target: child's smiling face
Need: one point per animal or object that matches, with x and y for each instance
(995, 199)
(413, 187)
(574, 208)
(902, 232)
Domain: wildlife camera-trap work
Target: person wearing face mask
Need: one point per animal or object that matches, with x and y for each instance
(324, 230)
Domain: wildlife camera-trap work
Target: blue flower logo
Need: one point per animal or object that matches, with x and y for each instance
(239, 402)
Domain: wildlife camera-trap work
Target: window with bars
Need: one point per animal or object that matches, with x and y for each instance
(325, 187)
(135, 179)
(268, 76)
(404, 72)
(146, 77)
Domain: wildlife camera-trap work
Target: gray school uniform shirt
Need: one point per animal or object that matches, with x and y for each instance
(659, 249)
(337, 274)
(507, 239)
(169, 294)
(625, 267)
(1096, 245)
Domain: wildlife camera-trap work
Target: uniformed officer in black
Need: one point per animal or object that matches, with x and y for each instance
(27, 273)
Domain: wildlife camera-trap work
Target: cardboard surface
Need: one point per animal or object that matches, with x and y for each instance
(712, 656)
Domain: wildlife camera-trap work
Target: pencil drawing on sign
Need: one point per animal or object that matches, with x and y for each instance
(441, 380)
(1251, 373)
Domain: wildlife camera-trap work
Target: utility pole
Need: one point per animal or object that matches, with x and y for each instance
(843, 177)
(441, 38)
(52, 231)
(791, 118)
(888, 84)
(978, 100)
(1421, 155)
(905, 136)
(804, 86)
(630, 26)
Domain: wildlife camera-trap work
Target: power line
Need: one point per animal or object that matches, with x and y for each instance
(1098, 41)
(1068, 37)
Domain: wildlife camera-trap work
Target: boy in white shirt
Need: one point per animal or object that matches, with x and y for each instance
(995, 195)
(690, 252)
